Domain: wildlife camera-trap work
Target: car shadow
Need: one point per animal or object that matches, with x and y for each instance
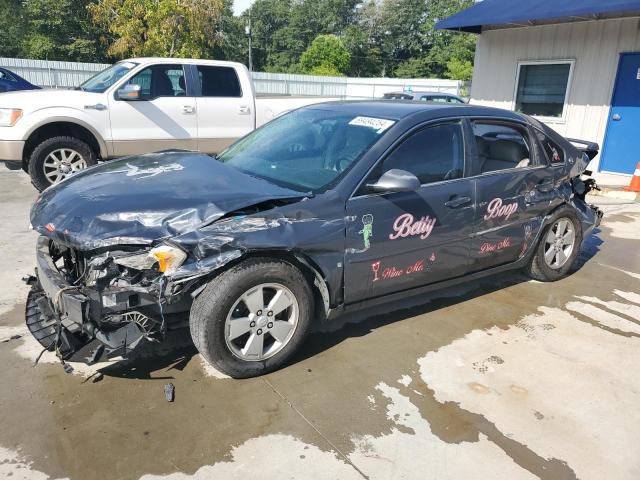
(162, 361)
(11, 165)
(156, 361)
(361, 323)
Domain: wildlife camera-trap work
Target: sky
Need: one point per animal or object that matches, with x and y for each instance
(240, 6)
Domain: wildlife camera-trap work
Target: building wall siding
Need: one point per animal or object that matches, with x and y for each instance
(594, 46)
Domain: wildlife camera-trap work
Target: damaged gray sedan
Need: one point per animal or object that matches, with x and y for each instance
(330, 208)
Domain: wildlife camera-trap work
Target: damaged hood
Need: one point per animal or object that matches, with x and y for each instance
(139, 200)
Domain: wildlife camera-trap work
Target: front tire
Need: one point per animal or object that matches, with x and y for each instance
(558, 248)
(252, 318)
(56, 158)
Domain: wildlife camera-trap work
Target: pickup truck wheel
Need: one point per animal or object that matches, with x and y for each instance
(558, 248)
(56, 158)
(252, 318)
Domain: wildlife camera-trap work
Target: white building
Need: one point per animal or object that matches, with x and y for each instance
(573, 64)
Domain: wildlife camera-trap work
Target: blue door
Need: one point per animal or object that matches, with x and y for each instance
(621, 150)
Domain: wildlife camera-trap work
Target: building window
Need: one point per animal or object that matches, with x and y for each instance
(542, 88)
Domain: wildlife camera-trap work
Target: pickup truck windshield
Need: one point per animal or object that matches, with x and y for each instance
(306, 150)
(106, 78)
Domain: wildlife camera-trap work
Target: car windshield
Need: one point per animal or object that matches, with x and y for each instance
(306, 150)
(106, 78)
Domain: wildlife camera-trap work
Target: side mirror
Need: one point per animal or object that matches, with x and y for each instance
(395, 180)
(129, 92)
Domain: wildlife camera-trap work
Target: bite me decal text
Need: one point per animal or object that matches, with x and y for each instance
(496, 247)
(395, 272)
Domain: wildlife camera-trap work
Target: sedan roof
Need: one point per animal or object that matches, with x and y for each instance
(397, 110)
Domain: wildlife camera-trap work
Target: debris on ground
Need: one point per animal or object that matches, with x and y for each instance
(169, 392)
(13, 337)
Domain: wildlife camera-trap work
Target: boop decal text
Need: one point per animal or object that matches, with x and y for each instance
(497, 209)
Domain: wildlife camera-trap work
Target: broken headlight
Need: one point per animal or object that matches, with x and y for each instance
(167, 257)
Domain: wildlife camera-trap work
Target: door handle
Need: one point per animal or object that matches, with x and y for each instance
(188, 109)
(616, 117)
(98, 106)
(244, 110)
(458, 202)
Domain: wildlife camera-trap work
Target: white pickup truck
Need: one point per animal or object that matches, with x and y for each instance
(135, 106)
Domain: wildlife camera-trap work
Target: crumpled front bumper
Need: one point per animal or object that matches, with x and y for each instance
(70, 319)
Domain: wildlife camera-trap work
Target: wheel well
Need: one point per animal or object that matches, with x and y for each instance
(58, 129)
(311, 271)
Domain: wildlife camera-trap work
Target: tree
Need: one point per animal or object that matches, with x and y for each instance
(180, 28)
(445, 46)
(326, 55)
(459, 70)
(59, 30)
(12, 28)
(268, 20)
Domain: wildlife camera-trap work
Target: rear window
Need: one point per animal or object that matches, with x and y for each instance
(552, 150)
(219, 81)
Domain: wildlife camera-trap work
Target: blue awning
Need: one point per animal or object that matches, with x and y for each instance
(506, 13)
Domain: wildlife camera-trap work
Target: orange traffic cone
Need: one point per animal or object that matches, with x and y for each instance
(634, 186)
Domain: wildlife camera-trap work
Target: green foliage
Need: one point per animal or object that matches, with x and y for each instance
(329, 37)
(176, 28)
(459, 70)
(12, 28)
(58, 30)
(326, 55)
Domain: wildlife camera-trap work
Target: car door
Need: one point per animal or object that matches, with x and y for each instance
(225, 112)
(514, 189)
(163, 117)
(398, 241)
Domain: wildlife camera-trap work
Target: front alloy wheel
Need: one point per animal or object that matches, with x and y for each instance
(61, 163)
(261, 322)
(57, 158)
(252, 318)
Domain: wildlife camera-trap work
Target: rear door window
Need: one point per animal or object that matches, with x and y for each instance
(501, 146)
(218, 81)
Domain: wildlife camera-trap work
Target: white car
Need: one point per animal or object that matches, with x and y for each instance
(136, 106)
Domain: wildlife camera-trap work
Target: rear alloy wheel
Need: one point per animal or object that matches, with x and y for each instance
(252, 318)
(558, 248)
(559, 243)
(57, 158)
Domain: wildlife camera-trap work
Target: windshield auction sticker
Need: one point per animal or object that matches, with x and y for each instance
(378, 124)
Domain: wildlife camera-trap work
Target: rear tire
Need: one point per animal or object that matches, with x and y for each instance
(56, 158)
(263, 337)
(558, 247)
